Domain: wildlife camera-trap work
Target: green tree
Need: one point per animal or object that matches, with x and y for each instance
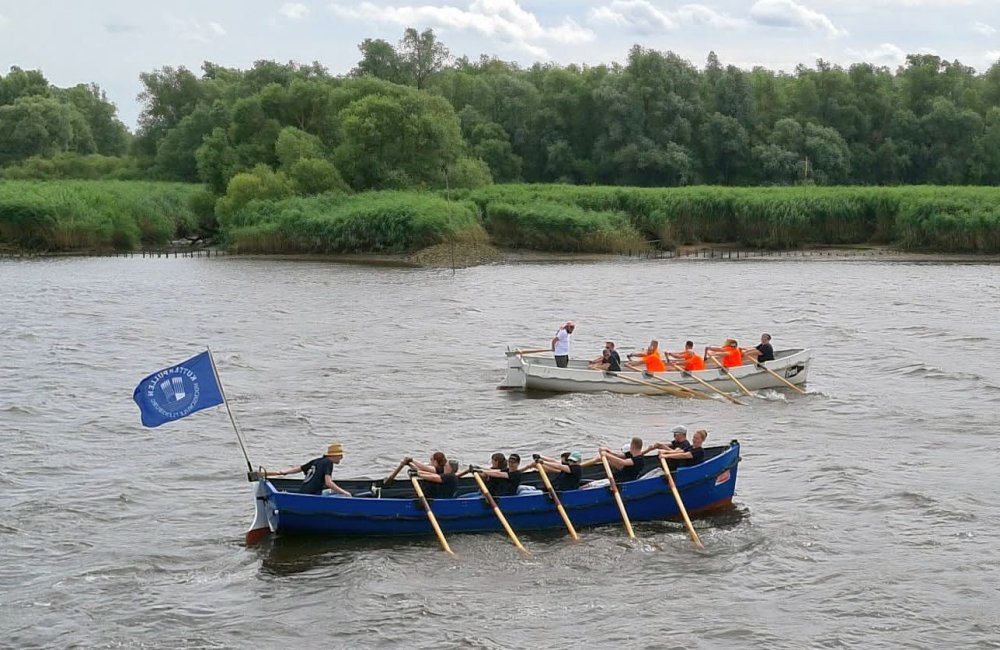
(379, 59)
(294, 144)
(261, 183)
(421, 55)
(315, 176)
(168, 96)
(468, 173)
(489, 142)
(110, 135)
(22, 83)
(388, 141)
(36, 125)
(725, 149)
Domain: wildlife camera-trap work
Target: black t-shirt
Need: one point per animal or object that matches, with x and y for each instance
(697, 456)
(568, 481)
(632, 472)
(766, 352)
(504, 487)
(316, 472)
(615, 362)
(684, 445)
(443, 490)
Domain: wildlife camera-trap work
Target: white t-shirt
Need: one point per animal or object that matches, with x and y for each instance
(562, 343)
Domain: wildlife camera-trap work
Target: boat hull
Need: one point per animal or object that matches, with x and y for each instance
(704, 487)
(529, 372)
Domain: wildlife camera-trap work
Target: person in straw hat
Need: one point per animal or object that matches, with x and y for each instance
(318, 472)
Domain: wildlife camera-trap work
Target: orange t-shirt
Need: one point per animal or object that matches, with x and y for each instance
(654, 362)
(733, 357)
(692, 361)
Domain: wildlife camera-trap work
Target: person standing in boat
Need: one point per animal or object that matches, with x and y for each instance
(687, 360)
(569, 471)
(761, 352)
(650, 358)
(318, 472)
(439, 485)
(692, 456)
(731, 357)
(561, 344)
(609, 360)
(627, 466)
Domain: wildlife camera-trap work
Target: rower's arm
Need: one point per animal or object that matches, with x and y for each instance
(328, 481)
(284, 472)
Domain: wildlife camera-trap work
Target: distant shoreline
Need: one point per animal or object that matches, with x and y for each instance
(444, 256)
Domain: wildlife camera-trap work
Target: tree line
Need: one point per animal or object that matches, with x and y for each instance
(410, 116)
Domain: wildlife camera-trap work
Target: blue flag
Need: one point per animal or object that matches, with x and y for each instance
(177, 392)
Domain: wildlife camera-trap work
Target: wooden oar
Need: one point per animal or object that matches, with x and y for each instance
(535, 351)
(680, 503)
(694, 392)
(731, 376)
(689, 373)
(662, 389)
(392, 477)
(618, 496)
(559, 505)
(430, 516)
(780, 378)
(496, 510)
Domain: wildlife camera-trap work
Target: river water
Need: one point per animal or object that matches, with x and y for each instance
(864, 513)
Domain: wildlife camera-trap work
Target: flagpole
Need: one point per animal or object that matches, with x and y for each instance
(225, 401)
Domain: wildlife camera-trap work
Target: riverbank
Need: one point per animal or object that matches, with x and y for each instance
(446, 256)
(464, 227)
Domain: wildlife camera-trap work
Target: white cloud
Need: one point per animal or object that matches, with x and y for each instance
(4, 21)
(992, 56)
(193, 30)
(294, 10)
(644, 17)
(504, 20)
(886, 54)
(702, 15)
(790, 14)
(984, 29)
(638, 15)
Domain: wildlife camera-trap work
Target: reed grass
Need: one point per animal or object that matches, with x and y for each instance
(375, 222)
(551, 226)
(94, 215)
(933, 219)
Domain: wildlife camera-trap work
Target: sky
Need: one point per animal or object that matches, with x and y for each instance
(110, 42)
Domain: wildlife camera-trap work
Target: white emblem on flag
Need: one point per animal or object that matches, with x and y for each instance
(173, 389)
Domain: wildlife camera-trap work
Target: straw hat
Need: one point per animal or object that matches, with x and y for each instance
(336, 449)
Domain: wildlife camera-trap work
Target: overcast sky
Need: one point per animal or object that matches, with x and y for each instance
(111, 41)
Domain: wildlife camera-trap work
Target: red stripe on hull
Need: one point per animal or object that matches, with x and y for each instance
(715, 505)
(256, 535)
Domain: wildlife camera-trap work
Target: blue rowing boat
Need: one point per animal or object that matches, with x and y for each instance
(396, 511)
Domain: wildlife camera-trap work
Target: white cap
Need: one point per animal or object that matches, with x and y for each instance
(680, 428)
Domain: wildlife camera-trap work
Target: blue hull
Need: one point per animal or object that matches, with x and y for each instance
(703, 487)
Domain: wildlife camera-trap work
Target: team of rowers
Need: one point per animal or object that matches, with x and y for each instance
(439, 477)
(727, 355)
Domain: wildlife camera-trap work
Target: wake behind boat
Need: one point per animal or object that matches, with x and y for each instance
(280, 508)
(533, 371)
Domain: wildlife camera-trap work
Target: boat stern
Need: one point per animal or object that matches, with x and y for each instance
(515, 378)
(260, 527)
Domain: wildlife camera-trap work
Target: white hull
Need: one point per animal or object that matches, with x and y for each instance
(538, 372)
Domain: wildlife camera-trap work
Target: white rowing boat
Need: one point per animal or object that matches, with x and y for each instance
(532, 371)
